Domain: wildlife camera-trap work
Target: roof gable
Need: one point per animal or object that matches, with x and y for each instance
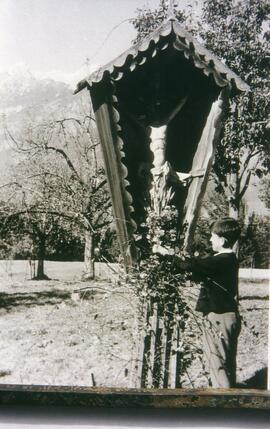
(182, 41)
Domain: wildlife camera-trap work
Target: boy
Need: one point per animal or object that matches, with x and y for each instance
(218, 302)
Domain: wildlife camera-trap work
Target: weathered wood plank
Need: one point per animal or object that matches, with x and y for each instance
(203, 160)
(173, 359)
(153, 324)
(141, 398)
(113, 172)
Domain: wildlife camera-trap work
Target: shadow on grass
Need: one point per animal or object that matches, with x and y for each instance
(8, 301)
(52, 297)
(257, 381)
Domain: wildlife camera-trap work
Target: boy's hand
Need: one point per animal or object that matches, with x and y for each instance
(162, 250)
(184, 265)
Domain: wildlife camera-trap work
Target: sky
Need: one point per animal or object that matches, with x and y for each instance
(59, 35)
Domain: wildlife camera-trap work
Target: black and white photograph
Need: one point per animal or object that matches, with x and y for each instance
(134, 193)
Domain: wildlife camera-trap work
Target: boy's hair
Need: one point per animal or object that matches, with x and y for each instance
(227, 228)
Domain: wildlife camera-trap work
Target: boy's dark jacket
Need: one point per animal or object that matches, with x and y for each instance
(219, 277)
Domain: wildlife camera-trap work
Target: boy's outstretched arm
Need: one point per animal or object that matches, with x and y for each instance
(201, 267)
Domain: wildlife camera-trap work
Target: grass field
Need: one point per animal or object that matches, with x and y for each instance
(68, 332)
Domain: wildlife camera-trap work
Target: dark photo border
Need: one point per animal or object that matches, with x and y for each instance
(133, 398)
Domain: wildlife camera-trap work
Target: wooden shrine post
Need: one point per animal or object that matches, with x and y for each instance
(173, 86)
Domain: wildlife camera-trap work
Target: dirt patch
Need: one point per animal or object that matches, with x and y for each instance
(67, 338)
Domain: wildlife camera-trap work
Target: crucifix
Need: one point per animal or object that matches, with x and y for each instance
(162, 172)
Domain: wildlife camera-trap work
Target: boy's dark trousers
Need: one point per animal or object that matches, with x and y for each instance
(220, 334)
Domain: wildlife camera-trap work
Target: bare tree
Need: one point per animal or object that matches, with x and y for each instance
(59, 174)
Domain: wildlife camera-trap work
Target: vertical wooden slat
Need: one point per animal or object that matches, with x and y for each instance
(178, 363)
(173, 358)
(151, 356)
(146, 349)
(168, 347)
(157, 368)
(161, 358)
(111, 163)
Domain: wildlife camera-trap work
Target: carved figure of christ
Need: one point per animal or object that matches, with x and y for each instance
(162, 171)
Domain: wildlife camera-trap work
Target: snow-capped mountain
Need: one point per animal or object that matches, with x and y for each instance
(20, 89)
(25, 93)
(27, 97)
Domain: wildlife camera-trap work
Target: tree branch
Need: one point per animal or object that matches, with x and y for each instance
(101, 225)
(79, 122)
(243, 190)
(68, 161)
(246, 162)
(99, 186)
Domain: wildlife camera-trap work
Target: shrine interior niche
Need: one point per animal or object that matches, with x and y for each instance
(168, 100)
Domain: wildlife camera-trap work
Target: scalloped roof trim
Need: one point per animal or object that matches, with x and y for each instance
(201, 56)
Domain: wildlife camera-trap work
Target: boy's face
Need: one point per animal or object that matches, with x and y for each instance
(217, 242)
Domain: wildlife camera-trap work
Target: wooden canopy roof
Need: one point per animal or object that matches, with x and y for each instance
(161, 38)
(166, 79)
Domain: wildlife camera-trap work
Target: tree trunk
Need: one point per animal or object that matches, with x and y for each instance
(41, 256)
(40, 268)
(233, 211)
(89, 265)
(233, 195)
(234, 204)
